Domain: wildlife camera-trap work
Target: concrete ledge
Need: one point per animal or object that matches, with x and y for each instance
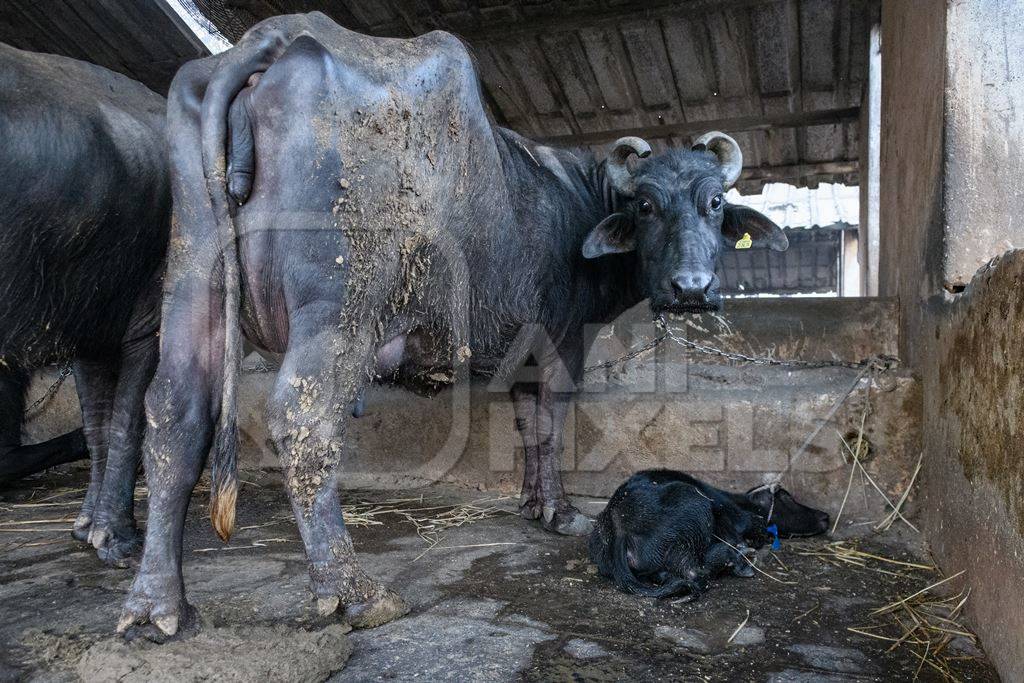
(732, 425)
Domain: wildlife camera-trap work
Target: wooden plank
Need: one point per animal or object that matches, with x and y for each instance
(590, 17)
(772, 174)
(511, 100)
(818, 44)
(730, 125)
(569, 63)
(609, 70)
(650, 69)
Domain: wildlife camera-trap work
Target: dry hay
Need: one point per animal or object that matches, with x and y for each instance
(922, 622)
(430, 521)
(430, 516)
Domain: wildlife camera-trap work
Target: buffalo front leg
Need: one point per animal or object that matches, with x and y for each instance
(96, 382)
(558, 514)
(541, 409)
(307, 413)
(524, 401)
(114, 533)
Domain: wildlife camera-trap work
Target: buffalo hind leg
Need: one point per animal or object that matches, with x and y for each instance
(180, 415)
(307, 412)
(114, 533)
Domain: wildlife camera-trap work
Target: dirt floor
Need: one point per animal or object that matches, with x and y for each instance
(493, 599)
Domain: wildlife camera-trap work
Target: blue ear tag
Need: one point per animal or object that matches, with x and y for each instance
(774, 531)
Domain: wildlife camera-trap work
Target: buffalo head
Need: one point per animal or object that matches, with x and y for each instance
(676, 218)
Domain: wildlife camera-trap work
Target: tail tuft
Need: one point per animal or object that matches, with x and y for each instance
(224, 477)
(222, 509)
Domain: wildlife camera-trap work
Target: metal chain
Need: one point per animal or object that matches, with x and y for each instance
(880, 363)
(64, 372)
(630, 355)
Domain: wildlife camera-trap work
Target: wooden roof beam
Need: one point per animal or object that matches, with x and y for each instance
(639, 9)
(732, 125)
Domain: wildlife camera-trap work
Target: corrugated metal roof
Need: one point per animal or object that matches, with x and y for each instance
(809, 266)
(802, 207)
(783, 76)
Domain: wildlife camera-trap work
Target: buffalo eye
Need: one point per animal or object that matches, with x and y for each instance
(716, 202)
(645, 207)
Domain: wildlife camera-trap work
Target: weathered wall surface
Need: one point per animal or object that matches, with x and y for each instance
(731, 425)
(973, 477)
(984, 185)
(910, 215)
(952, 197)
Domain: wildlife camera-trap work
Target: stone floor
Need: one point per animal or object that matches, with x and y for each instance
(496, 599)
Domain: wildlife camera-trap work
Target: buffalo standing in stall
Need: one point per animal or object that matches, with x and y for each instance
(84, 219)
(373, 219)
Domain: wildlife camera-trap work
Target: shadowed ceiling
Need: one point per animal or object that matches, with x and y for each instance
(783, 76)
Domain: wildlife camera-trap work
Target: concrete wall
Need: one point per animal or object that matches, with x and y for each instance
(951, 199)
(984, 132)
(731, 425)
(973, 478)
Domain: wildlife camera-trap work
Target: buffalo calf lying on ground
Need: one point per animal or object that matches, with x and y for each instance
(664, 532)
(85, 208)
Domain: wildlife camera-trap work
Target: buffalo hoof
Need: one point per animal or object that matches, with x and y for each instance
(567, 521)
(383, 606)
(116, 544)
(376, 611)
(81, 528)
(155, 609)
(163, 629)
(530, 507)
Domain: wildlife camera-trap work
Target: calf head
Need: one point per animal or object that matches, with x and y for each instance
(676, 218)
(792, 518)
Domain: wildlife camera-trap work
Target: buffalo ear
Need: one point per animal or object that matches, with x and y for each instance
(613, 235)
(742, 220)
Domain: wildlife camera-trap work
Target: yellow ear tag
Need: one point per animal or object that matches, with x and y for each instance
(744, 243)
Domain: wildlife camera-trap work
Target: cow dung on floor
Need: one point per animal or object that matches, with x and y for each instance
(233, 653)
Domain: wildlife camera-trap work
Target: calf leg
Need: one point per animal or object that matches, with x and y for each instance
(114, 534)
(722, 557)
(307, 413)
(17, 461)
(95, 382)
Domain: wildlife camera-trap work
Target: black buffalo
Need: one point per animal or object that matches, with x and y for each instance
(84, 219)
(373, 220)
(664, 532)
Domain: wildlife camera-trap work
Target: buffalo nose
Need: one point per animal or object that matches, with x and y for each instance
(692, 285)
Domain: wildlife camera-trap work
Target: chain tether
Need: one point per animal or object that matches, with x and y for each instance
(65, 370)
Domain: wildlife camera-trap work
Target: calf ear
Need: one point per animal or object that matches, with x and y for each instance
(613, 235)
(742, 220)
